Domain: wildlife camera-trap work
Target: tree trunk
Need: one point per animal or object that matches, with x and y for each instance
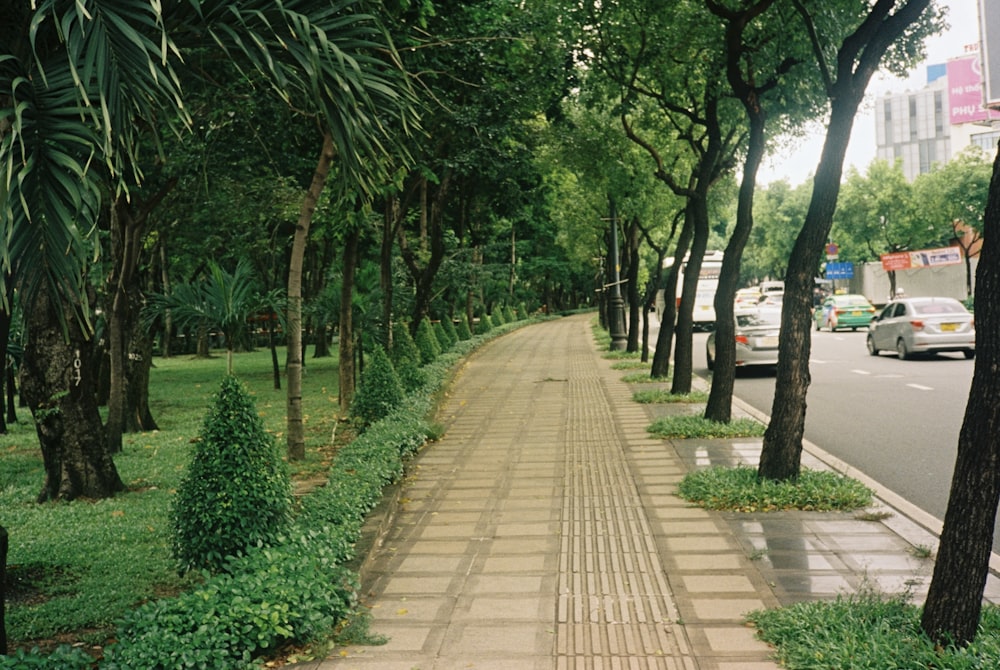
(389, 225)
(138, 417)
(60, 386)
(296, 437)
(321, 347)
(665, 338)
(3, 590)
(683, 348)
(11, 394)
(345, 371)
(423, 263)
(858, 59)
(168, 322)
(632, 289)
(272, 345)
(116, 324)
(781, 452)
(720, 398)
(5, 322)
(954, 600)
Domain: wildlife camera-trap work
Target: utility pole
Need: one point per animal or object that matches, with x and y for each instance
(616, 308)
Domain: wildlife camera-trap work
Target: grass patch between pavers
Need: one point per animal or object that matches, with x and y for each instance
(630, 364)
(686, 427)
(869, 631)
(622, 355)
(738, 489)
(643, 378)
(662, 396)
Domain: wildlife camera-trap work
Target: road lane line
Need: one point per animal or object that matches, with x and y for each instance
(921, 387)
(861, 372)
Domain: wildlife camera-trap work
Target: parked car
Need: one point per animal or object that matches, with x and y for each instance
(772, 286)
(911, 326)
(747, 297)
(757, 333)
(771, 298)
(844, 311)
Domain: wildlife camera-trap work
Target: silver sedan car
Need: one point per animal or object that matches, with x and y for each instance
(911, 326)
(757, 331)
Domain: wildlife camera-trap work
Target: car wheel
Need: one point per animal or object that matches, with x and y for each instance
(901, 351)
(969, 353)
(871, 346)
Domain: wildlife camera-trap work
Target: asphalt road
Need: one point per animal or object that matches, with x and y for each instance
(896, 421)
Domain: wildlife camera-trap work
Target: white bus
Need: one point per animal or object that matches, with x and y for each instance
(703, 316)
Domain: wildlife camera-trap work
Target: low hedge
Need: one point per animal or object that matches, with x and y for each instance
(295, 591)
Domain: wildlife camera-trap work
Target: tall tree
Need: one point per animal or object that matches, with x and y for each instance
(69, 128)
(223, 301)
(878, 211)
(298, 46)
(659, 61)
(759, 56)
(872, 29)
(365, 117)
(954, 600)
(953, 197)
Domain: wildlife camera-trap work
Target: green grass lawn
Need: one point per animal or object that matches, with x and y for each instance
(75, 568)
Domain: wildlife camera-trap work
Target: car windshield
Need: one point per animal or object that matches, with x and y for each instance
(764, 317)
(938, 308)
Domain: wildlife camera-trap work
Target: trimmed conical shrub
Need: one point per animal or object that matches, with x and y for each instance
(403, 346)
(442, 336)
(448, 326)
(427, 342)
(236, 493)
(508, 314)
(485, 325)
(379, 391)
(464, 332)
(497, 317)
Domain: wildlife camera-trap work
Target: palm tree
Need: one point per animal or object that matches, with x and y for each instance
(223, 301)
(79, 84)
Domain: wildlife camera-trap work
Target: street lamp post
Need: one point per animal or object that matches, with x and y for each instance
(616, 307)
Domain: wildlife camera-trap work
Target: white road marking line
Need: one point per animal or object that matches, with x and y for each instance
(921, 387)
(861, 372)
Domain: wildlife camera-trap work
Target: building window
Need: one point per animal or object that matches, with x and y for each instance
(938, 114)
(927, 156)
(887, 122)
(913, 117)
(986, 141)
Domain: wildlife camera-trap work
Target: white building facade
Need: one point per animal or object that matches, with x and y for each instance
(930, 126)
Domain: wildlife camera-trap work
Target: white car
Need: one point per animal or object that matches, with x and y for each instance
(757, 333)
(911, 326)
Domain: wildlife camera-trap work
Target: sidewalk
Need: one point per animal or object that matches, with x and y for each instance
(542, 532)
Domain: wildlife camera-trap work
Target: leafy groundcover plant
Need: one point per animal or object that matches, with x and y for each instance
(291, 591)
(870, 631)
(739, 489)
(686, 427)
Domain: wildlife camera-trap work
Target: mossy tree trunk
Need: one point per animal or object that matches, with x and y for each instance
(60, 387)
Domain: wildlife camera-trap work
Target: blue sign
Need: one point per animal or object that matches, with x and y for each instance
(840, 270)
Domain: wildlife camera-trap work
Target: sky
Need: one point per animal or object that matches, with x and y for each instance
(797, 162)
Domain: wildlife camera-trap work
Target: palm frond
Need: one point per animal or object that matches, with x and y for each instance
(332, 59)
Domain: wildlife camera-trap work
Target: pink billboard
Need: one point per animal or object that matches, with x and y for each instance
(965, 91)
